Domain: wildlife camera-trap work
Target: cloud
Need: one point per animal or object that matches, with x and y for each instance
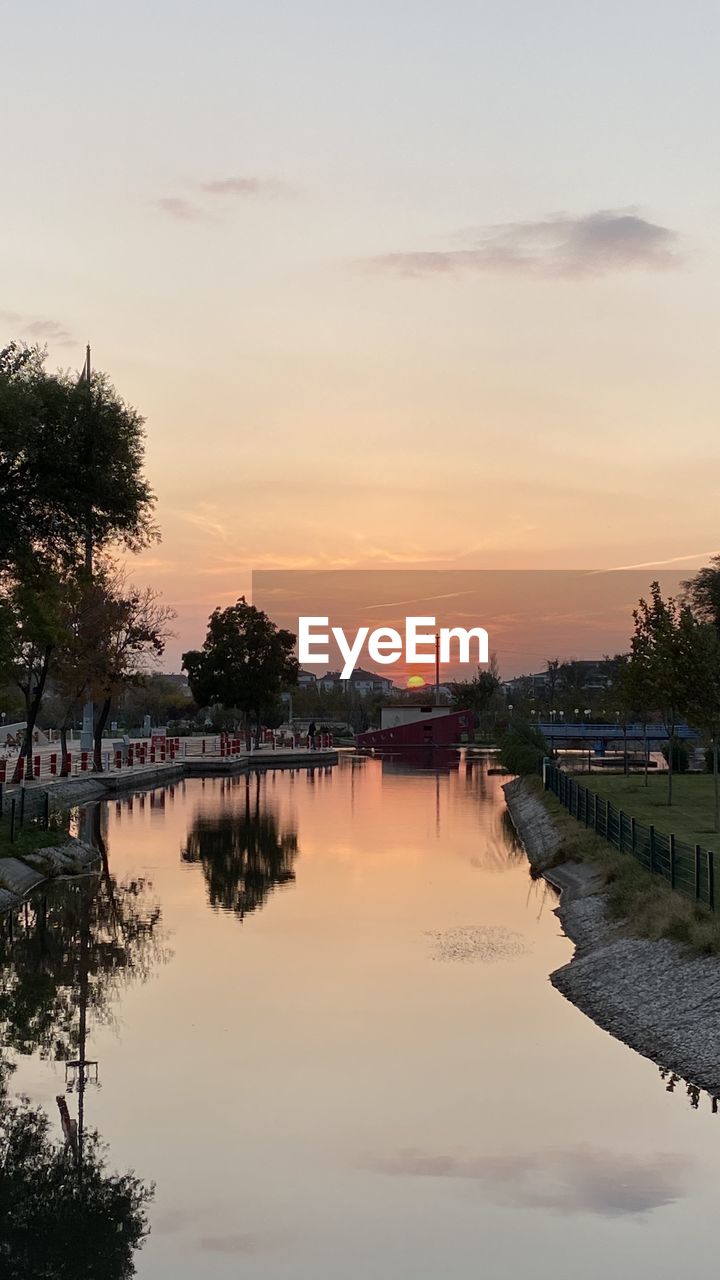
(179, 209)
(243, 186)
(560, 246)
(38, 330)
(578, 1180)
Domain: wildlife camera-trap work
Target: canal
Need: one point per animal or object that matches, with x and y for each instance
(318, 1008)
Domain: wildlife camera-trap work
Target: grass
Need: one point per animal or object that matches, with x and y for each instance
(643, 904)
(30, 837)
(690, 817)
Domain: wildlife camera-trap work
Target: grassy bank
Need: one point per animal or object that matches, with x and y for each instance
(27, 840)
(690, 817)
(645, 905)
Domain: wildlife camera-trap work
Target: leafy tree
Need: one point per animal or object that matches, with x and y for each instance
(479, 695)
(662, 660)
(704, 700)
(133, 630)
(71, 465)
(702, 593)
(32, 625)
(522, 748)
(245, 662)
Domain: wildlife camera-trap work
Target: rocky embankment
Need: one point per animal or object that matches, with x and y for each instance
(19, 876)
(657, 997)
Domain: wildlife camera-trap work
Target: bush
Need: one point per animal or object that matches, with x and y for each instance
(522, 748)
(680, 756)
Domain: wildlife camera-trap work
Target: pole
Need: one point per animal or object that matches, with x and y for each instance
(87, 737)
(437, 667)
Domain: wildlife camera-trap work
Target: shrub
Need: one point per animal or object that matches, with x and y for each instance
(522, 748)
(680, 756)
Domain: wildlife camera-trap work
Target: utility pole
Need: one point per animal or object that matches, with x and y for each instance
(437, 668)
(87, 737)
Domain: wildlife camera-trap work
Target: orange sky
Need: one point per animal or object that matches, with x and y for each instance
(391, 288)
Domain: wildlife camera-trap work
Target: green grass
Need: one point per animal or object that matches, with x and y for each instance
(690, 817)
(31, 836)
(644, 905)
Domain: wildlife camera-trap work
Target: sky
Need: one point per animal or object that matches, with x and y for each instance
(396, 284)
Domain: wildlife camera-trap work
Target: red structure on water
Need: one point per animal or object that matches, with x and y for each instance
(419, 727)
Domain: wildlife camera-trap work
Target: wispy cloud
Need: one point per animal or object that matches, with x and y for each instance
(38, 329)
(243, 187)
(560, 246)
(180, 210)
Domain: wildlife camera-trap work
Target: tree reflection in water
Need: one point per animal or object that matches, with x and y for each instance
(63, 958)
(243, 853)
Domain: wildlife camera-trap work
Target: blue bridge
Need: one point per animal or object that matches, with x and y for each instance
(568, 733)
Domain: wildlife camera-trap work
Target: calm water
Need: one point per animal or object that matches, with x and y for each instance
(320, 1009)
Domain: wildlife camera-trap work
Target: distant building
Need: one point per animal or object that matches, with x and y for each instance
(587, 675)
(360, 682)
(306, 678)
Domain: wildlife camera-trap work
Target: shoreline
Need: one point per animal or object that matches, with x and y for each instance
(657, 997)
(21, 876)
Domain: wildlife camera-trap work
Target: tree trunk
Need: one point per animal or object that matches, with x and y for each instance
(33, 699)
(64, 761)
(716, 790)
(716, 825)
(98, 735)
(646, 752)
(670, 770)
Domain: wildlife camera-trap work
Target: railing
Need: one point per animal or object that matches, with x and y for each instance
(688, 868)
(48, 765)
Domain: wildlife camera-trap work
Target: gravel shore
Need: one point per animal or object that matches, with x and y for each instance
(654, 996)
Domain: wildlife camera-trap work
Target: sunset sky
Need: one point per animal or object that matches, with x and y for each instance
(400, 283)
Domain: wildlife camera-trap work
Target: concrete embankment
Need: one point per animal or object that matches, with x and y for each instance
(18, 877)
(655, 996)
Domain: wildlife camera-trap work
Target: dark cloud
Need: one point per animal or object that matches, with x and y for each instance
(38, 330)
(243, 187)
(578, 1180)
(559, 246)
(179, 209)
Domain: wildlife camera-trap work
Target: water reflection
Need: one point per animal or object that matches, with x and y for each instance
(693, 1091)
(243, 852)
(576, 1180)
(60, 1220)
(64, 956)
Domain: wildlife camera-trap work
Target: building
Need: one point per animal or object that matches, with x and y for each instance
(306, 678)
(419, 726)
(360, 682)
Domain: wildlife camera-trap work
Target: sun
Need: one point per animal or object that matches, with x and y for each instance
(415, 682)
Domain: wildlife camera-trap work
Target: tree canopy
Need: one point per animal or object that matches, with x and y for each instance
(245, 662)
(71, 464)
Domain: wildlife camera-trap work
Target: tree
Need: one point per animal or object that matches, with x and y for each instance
(134, 628)
(478, 695)
(31, 628)
(663, 651)
(702, 593)
(522, 748)
(71, 465)
(245, 662)
(704, 698)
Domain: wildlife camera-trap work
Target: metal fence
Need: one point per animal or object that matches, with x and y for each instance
(688, 868)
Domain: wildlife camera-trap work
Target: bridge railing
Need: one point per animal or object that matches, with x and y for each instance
(689, 869)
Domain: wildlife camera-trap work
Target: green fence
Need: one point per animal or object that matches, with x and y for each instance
(688, 868)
